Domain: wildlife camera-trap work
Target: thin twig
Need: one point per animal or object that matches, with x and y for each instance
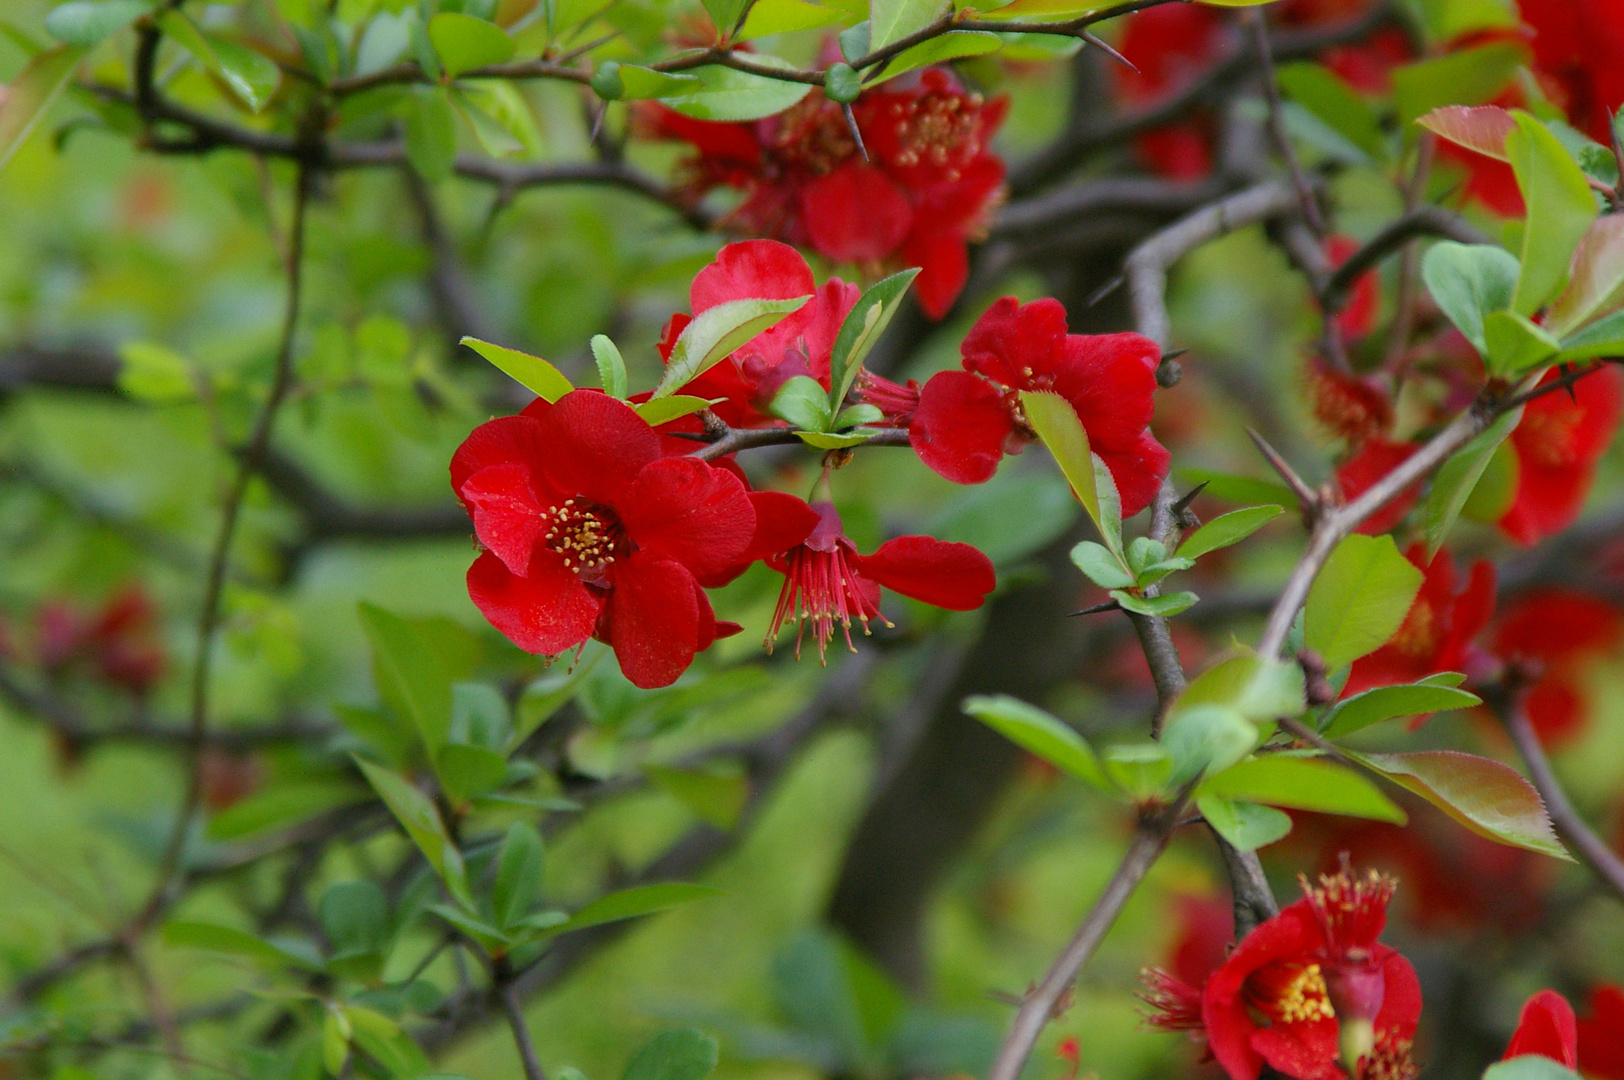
(514, 1009)
(1306, 197)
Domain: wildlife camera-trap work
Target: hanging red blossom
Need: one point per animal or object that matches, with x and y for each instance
(1547, 1028)
(966, 421)
(1558, 444)
(590, 532)
(1437, 633)
(1308, 989)
(799, 344)
(1561, 633)
(826, 580)
(1601, 1035)
(929, 186)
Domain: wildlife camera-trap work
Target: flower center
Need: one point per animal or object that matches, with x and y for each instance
(1547, 437)
(1419, 635)
(812, 135)
(1290, 993)
(822, 588)
(937, 129)
(589, 536)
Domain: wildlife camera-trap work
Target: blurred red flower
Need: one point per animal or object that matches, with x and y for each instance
(928, 187)
(1601, 1035)
(1370, 461)
(1350, 406)
(1171, 46)
(1437, 633)
(589, 532)
(1560, 633)
(1358, 315)
(1558, 444)
(966, 421)
(1577, 44)
(120, 641)
(1546, 1027)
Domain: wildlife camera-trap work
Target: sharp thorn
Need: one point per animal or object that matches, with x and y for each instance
(1109, 605)
(1567, 373)
(1299, 487)
(1108, 51)
(851, 125)
(1173, 355)
(1189, 497)
(1103, 291)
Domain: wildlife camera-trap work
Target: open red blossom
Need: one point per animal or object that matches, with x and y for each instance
(1373, 459)
(1312, 987)
(1350, 406)
(826, 580)
(1437, 633)
(927, 188)
(1559, 633)
(799, 344)
(1547, 1028)
(590, 532)
(966, 421)
(1558, 444)
(1601, 1035)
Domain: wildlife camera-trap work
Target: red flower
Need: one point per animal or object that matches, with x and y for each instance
(121, 641)
(1171, 46)
(1561, 633)
(1374, 459)
(1546, 1028)
(1352, 407)
(826, 581)
(1437, 633)
(590, 532)
(1368, 65)
(1358, 316)
(799, 344)
(1577, 44)
(1558, 444)
(927, 188)
(1313, 986)
(1601, 1035)
(967, 420)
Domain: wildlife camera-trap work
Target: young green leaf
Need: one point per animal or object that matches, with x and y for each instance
(953, 45)
(234, 942)
(464, 43)
(531, 372)
(1560, 210)
(431, 132)
(384, 1042)
(1058, 425)
(683, 1054)
(1036, 731)
(633, 903)
(835, 440)
(1469, 281)
(1101, 566)
(1604, 337)
(666, 409)
(1227, 529)
(1247, 826)
(1482, 128)
(726, 94)
(1515, 343)
(469, 772)
(893, 20)
(31, 93)
(1596, 282)
(1533, 1066)
(725, 13)
(1260, 689)
(519, 867)
(717, 798)
(861, 328)
(715, 333)
(422, 823)
(1387, 702)
(642, 83)
(1457, 479)
(1359, 600)
(1140, 770)
(768, 17)
(1161, 606)
(156, 375)
(1300, 783)
(252, 76)
(1338, 105)
(355, 917)
(611, 366)
(1487, 797)
(1469, 76)
(1207, 739)
(411, 677)
(803, 404)
(86, 22)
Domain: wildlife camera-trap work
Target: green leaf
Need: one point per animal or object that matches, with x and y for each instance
(519, 868)
(725, 13)
(953, 45)
(1037, 732)
(1447, 20)
(1596, 282)
(1207, 738)
(726, 94)
(641, 83)
(1560, 210)
(1529, 1067)
(611, 366)
(86, 22)
(1515, 343)
(1328, 97)
(666, 409)
(861, 328)
(683, 1054)
(633, 903)
(768, 17)
(1487, 797)
(355, 916)
(1162, 606)
(716, 798)
(431, 133)
(422, 823)
(469, 772)
(1236, 488)
(411, 677)
(892, 20)
(1058, 425)
(31, 93)
(1140, 770)
(1460, 77)
(490, 938)
(1101, 566)
(1457, 479)
(1260, 689)
(464, 43)
(1247, 826)
(281, 805)
(1387, 702)
(715, 333)
(836, 440)
(1359, 600)
(383, 1041)
(1469, 281)
(234, 942)
(803, 404)
(252, 76)
(499, 115)
(1227, 529)
(155, 374)
(1009, 517)
(531, 372)
(1604, 337)
(1300, 783)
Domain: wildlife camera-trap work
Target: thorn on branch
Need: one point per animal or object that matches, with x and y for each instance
(1109, 605)
(1105, 290)
(1108, 51)
(1181, 509)
(1317, 685)
(1309, 498)
(851, 126)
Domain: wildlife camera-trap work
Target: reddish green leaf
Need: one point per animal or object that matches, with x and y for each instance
(1491, 799)
(1596, 278)
(1483, 128)
(31, 93)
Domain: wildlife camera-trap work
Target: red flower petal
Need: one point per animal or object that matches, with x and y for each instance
(1558, 443)
(507, 515)
(1012, 341)
(1229, 1024)
(752, 269)
(1138, 472)
(855, 214)
(952, 576)
(1546, 1027)
(943, 259)
(1401, 995)
(498, 442)
(1110, 379)
(547, 612)
(651, 619)
(961, 427)
(595, 445)
(1601, 1044)
(1372, 461)
(687, 511)
(1305, 1050)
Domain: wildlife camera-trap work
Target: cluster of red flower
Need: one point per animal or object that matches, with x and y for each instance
(119, 643)
(595, 524)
